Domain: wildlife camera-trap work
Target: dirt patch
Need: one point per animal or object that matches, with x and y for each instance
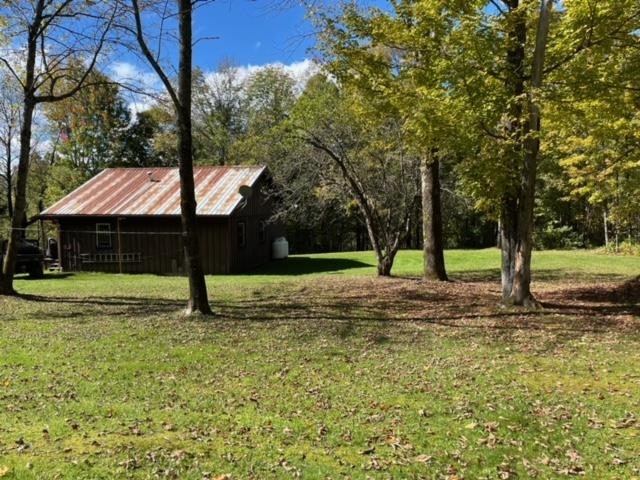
(587, 307)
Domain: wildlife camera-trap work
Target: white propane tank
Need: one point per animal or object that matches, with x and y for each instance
(280, 248)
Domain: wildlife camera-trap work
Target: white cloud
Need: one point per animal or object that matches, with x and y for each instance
(299, 71)
(302, 71)
(131, 75)
(142, 87)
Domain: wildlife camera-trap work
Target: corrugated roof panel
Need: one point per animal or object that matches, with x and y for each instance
(158, 194)
(209, 190)
(156, 191)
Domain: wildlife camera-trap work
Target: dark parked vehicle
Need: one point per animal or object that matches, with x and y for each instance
(30, 258)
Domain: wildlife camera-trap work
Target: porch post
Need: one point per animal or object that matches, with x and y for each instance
(119, 245)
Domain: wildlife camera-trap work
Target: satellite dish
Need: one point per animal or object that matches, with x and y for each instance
(246, 191)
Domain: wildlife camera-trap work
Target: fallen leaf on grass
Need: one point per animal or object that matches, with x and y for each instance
(168, 427)
(4, 471)
(628, 421)
(532, 472)
(424, 458)
(595, 423)
(505, 471)
(178, 455)
(491, 441)
(21, 445)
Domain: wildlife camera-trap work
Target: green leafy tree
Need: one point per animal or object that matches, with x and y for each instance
(137, 144)
(159, 122)
(91, 126)
(596, 118)
(219, 115)
(46, 34)
(366, 157)
(268, 100)
(395, 58)
(504, 56)
(501, 59)
(94, 130)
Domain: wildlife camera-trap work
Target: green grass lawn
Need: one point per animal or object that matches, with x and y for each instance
(314, 368)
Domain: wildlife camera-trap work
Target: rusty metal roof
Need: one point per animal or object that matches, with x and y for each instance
(156, 191)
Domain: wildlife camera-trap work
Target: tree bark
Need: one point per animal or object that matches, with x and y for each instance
(181, 99)
(32, 84)
(198, 300)
(433, 244)
(508, 242)
(385, 263)
(606, 228)
(384, 242)
(8, 174)
(517, 210)
(20, 205)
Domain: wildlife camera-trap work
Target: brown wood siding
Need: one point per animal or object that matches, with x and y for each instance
(145, 245)
(255, 253)
(159, 242)
(153, 244)
(213, 235)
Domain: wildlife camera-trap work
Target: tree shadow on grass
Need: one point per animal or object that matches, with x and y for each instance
(387, 311)
(399, 308)
(45, 277)
(487, 275)
(56, 307)
(602, 300)
(546, 275)
(57, 275)
(299, 265)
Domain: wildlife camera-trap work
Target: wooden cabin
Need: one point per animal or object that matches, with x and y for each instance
(127, 220)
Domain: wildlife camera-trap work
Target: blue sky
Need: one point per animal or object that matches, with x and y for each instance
(250, 33)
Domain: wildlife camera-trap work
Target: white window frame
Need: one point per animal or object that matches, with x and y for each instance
(241, 232)
(103, 235)
(262, 231)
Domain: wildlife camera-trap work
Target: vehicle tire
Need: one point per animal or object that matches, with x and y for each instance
(36, 270)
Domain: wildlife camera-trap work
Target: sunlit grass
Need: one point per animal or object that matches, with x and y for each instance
(323, 374)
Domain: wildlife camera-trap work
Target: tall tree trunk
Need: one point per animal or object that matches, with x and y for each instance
(385, 253)
(181, 100)
(9, 174)
(509, 208)
(508, 243)
(198, 300)
(20, 205)
(606, 228)
(38, 87)
(517, 212)
(433, 244)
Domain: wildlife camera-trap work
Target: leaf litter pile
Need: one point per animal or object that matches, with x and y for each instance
(331, 378)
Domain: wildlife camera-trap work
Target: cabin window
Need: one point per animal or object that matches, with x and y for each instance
(262, 231)
(242, 234)
(103, 235)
